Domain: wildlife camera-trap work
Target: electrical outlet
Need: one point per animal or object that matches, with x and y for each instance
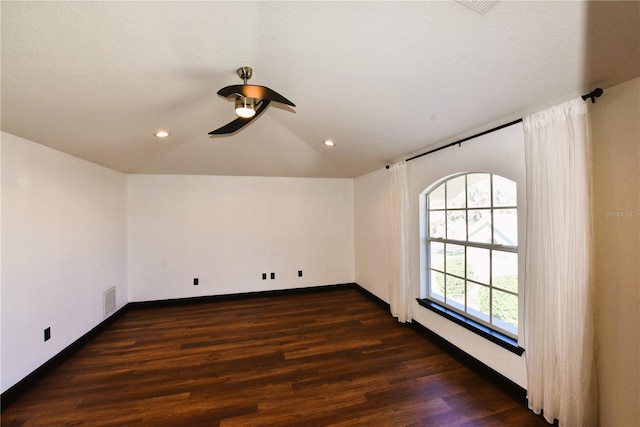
(264, 276)
(273, 276)
(195, 281)
(47, 334)
(299, 273)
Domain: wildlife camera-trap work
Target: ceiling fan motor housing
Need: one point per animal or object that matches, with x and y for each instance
(245, 73)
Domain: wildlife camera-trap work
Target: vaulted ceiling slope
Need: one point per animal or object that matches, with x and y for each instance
(382, 79)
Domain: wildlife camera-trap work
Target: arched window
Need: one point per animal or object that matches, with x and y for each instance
(471, 227)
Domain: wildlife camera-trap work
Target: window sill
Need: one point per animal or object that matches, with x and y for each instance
(502, 340)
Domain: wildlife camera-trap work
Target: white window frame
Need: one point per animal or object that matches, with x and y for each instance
(492, 247)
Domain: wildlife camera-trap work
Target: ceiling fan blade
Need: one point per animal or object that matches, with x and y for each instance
(253, 91)
(240, 122)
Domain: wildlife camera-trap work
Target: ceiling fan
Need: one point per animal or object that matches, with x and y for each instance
(250, 101)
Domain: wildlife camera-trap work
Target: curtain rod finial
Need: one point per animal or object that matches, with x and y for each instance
(596, 93)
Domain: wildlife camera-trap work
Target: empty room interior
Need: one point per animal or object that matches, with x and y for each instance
(320, 213)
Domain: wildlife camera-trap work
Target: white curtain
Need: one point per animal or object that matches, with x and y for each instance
(399, 288)
(559, 313)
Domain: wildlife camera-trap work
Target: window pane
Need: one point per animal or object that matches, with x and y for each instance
(479, 225)
(478, 301)
(455, 259)
(436, 198)
(436, 255)
(505, 223)
(505, 270)
(504, 192)
(456, 194)
(457, 225)
(436, 282)
(436, 224)
(505, 311)
(479, 190)
(455, 292)
(478, 264)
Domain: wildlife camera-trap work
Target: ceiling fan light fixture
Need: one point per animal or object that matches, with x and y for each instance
(245, 107)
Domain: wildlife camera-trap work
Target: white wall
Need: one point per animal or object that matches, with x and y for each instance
(227, 231)
(500, 152)
(72, 229)
(616, 182)
(371, 213)
(63, 243)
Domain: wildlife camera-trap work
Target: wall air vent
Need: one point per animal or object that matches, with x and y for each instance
(480, 6)
(109, 301)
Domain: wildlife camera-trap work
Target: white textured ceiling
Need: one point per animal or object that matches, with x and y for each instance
(382, 79)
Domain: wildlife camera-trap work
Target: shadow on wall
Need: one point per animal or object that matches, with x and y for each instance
(612, 43)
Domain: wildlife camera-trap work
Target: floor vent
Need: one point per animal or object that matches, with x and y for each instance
(109, 301)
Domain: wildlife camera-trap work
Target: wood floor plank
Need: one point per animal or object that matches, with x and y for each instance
(323, 358)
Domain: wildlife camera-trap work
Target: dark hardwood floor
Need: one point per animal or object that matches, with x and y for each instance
(314, 359)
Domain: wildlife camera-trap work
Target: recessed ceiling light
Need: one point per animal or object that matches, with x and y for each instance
(162, 134)
(329, 143)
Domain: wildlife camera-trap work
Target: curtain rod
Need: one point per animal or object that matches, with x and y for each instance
(596, 93)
